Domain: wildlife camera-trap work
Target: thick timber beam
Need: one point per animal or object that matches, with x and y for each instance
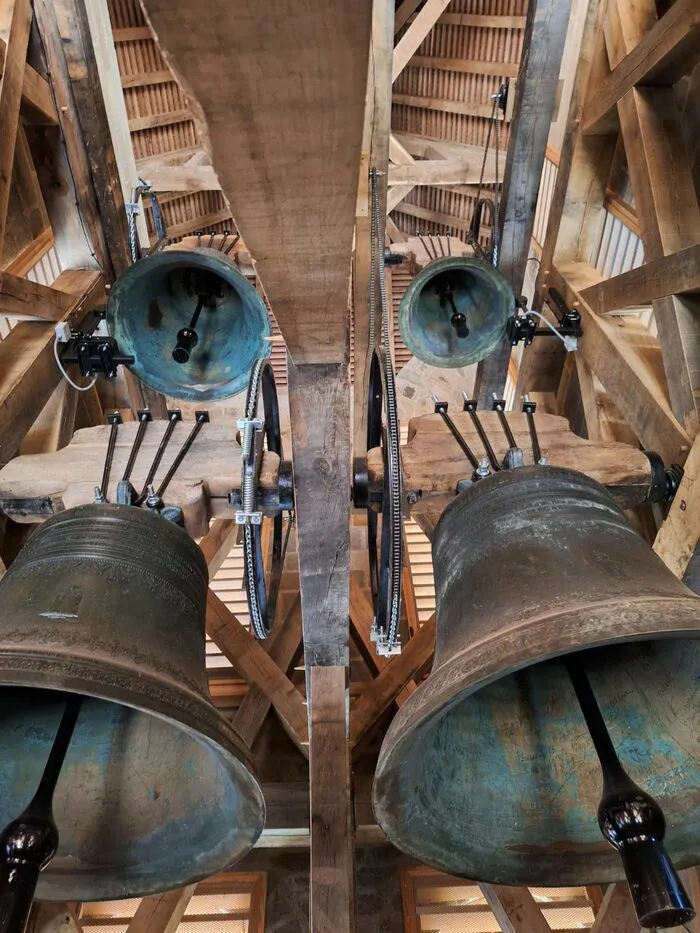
(545, 34)
(278, 89)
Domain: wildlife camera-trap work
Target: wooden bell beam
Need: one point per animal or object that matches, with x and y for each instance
(161, 913)
(616, 913)
(515, 909)
(538, 77)
(319, 405)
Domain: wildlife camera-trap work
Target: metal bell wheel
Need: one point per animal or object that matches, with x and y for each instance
(156, 790)
(488, 770)
(454, 312)
(193, 322)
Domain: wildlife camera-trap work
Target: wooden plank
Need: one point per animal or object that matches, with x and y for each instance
(144, 78)
(331, 891)
(375, 153)
(679, 534)
(161, 913)
(669, 275)
(404, 13)
(70, 125)
(319, 413)
(391, 681)
(184, 178)
(22, 298)
(251, 659)
(444, 106)
(304, 82)
(136, 124)
(437, 217)
(203, 222)
(514, 909)
(132, 34)
(466, 65)
(15, 23)
(437, 172)
(534, 103)
(669, 50)
(217, 543)
(283, 646)
(28, 371)
(616, 913)
(669, 214)
(481, 21)
(37, 102)
(421, 25)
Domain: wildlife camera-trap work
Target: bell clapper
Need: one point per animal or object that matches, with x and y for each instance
(458, 319)
(633, 823)
(208, 291)
(28, 843)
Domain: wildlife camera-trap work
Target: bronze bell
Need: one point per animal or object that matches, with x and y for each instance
(488, 771)
(193, 322)
(454, 312)
(156, 791)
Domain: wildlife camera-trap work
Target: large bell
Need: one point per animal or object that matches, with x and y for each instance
(193, 322)
(488, 770)
(156, 790)
(454, 312)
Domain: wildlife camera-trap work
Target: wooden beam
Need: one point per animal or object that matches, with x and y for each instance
(415, 34)
(283, 646)
(332, 887)
(143, 79)
(15, 23)
(37, 102)
(679, 534)
(132, 34)
(184, 178)
(466, 65)
(437, 217)
(382, 691)
(482, 21)
(206, 222)
(137, 124)
(161, 913)
(22, 298)
(616, 913)
(427, 147)
(251, 659)
(669, 50)
(438, 172)
(304, 82)
(404, 13)
(444, 106)
(626, 375)
(319, 414)
(28, 371)
(535, 98)
(515, 909)
(375, 146)
(217, 543)
(669, 275)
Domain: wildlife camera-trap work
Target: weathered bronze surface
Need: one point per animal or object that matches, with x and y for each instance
(488, 771)
(454, 312)
(156, 298)
(156, 790)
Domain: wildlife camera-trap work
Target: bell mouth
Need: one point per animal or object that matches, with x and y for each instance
(472, 784)
(454, 313)
(156, 298)
(143, 803)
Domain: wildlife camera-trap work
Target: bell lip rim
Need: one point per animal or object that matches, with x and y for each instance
(232, 758)
(398, 737)
(467, 358)
(187, 394)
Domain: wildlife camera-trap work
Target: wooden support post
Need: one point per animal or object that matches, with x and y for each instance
(375, 153)
(616, 913)
(161, 913)
(22, 298)
(416, 33)
(320, 417)
(37, 102)
(15, 23)
(332, 889)
(545, 34)
(514, 909)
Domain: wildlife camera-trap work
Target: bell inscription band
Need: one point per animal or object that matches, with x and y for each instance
(103, 614)
(490, 770)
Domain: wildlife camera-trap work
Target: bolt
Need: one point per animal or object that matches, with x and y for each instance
(99, 498)
(411, 498)
(152, 500)
(483, 469)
